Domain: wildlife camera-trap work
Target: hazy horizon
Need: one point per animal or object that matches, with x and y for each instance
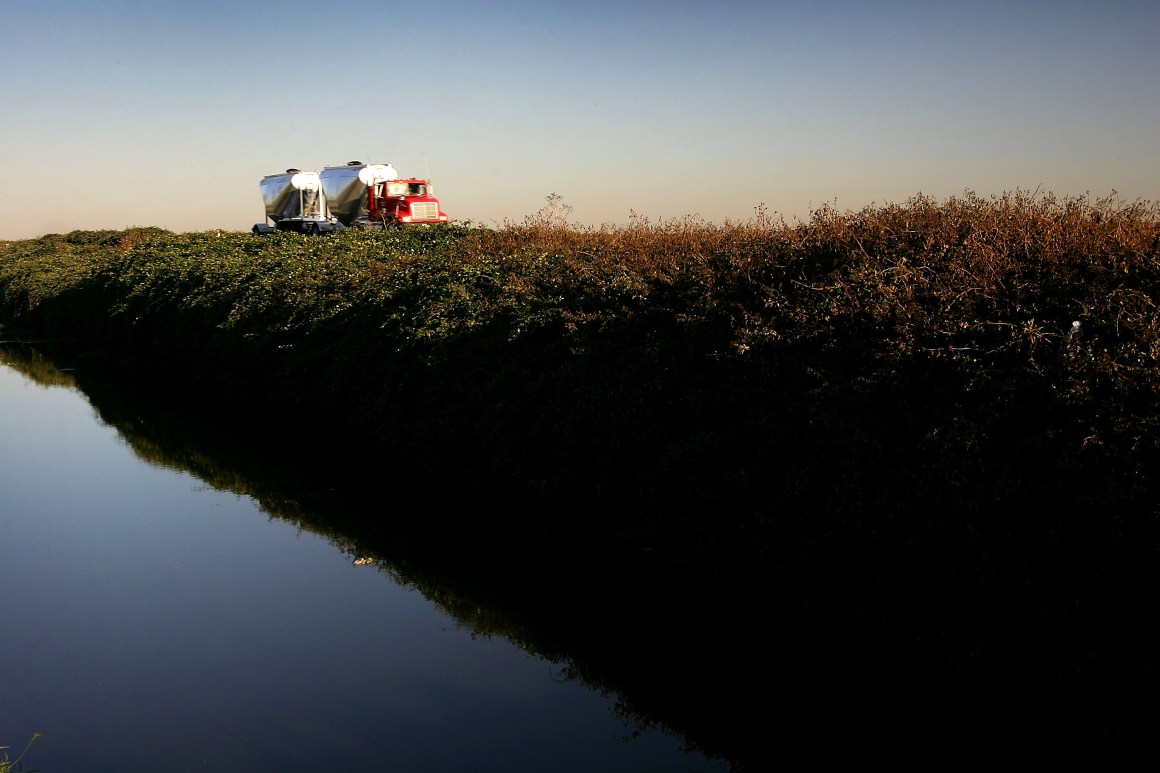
(128, 112)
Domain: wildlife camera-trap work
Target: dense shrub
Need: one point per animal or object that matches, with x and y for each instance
(969, 352)
(935, 422)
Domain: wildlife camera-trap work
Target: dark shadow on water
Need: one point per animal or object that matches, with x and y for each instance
(812, 649)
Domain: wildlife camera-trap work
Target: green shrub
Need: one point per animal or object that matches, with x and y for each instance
(930, 345)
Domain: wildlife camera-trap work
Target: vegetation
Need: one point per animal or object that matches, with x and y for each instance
(931, 426)
(11, 766)
(960, 354)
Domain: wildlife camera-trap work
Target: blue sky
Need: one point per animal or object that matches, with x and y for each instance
(145, 112)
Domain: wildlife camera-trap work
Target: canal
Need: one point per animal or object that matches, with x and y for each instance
(160, 613)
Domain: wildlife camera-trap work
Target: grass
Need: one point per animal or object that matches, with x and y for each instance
(11, 766)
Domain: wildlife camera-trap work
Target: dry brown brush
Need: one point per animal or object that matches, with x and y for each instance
(937, 419)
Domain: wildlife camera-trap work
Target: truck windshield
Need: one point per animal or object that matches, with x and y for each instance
(406, 189)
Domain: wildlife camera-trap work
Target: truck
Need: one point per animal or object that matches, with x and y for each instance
(294, 202)
(353, 195)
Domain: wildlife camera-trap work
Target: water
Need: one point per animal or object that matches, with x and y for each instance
(153, 622)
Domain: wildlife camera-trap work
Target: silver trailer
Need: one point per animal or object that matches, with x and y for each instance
(294, 201)
(345, 189)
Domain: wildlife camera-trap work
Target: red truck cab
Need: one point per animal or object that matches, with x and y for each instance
(398, 202)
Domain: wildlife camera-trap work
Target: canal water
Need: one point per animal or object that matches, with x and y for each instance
(153, 622)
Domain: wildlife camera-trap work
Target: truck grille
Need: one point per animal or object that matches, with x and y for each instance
(424, 210)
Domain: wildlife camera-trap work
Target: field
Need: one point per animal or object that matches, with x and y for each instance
(936, 421)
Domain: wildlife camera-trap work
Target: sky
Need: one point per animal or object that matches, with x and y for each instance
(118, 113)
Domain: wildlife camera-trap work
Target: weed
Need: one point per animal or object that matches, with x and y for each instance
(12, 766)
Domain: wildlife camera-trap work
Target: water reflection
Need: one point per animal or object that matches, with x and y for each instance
(149, 615)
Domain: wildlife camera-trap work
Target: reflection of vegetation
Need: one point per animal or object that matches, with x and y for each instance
(29, 361)
(311, 501)
(922, 438)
